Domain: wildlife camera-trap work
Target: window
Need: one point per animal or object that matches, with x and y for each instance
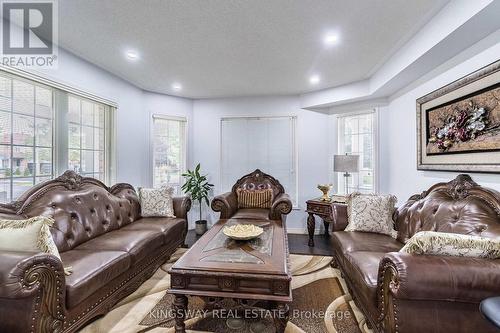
(34, 141)
(169, 151)
(265, 143)
(25, 136)
(87, 137)
(357, 137)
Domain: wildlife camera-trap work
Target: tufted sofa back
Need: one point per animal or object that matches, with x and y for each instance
(83, 208)
(259, 180)
(460, 206)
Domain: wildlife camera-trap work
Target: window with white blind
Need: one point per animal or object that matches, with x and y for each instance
(44, 131)
(169, 150)
(265, 143)
(357, 135)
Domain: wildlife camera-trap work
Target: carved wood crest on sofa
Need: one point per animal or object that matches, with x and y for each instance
(399, 292)
(99, 232)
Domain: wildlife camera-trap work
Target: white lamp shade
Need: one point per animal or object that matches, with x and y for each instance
(346, 163)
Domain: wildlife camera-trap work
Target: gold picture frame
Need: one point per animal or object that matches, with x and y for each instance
(450, 140)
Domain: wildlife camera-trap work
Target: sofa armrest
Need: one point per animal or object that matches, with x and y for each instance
(226, 204)
(36, 279)
(438, 278)
(282, 205)
(182, 205)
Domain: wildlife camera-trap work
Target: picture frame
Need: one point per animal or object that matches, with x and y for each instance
(458, 125)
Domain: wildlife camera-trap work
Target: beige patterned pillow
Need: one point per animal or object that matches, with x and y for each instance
(30, 235)
(255, 198)
(371, 213)
(157, 201)
(450, 244)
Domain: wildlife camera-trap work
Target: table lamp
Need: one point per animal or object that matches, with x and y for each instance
(346, 164)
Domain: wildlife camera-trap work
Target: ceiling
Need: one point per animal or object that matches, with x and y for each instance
(223, 48)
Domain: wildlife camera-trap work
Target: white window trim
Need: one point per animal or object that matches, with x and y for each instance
(59, 165)
(42, 79)
(152, 140)
(376, 142)
(295, 201)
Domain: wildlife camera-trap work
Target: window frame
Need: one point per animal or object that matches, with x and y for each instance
(60, 136)
(34, 146)
(184, 148)
(375, 149)
(295, 150)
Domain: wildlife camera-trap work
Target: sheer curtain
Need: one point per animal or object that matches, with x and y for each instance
(265, 143)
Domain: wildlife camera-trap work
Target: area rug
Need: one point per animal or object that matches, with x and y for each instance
(321, 303)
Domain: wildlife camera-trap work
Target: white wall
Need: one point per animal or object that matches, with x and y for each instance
(134, 108)
(398, 169)
(312, 140)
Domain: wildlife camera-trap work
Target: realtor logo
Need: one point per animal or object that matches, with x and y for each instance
(29, 33)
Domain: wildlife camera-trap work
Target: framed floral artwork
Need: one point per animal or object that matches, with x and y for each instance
(458, 126)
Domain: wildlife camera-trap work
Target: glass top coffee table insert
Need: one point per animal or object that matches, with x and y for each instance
(215, 251)
(224, 249)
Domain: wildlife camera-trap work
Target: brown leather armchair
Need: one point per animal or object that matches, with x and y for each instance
(227, 203)
(407, 293)
(100, 233)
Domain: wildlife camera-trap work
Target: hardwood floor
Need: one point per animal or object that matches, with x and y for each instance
(297, 244)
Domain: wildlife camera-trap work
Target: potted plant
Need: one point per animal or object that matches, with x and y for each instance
(198, 187)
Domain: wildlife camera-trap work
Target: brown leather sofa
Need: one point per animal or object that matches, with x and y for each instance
(100, 233)
(227, 203)
(422, 293)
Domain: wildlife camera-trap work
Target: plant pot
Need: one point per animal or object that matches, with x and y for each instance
(200, 227)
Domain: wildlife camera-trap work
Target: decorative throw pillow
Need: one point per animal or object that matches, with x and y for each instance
(157, 201)
(255, 198)
(450, 244)
(30, 235)
(371, 213)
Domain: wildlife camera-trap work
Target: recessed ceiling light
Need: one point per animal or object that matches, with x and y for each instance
(314, 79)
(331, 39)
(132, 55)
(176, 86)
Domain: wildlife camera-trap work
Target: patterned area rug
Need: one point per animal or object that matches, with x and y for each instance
(321, 303)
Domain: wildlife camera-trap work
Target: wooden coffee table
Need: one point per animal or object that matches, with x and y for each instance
(253, 273)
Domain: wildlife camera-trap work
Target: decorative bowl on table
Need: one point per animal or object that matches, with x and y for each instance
(243, 231)
(325, 188)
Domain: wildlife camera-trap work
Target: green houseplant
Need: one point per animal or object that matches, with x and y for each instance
(198, 188)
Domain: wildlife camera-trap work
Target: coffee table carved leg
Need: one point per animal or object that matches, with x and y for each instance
(310, 228)
(326, 224)
(180, 308)
(281, 319)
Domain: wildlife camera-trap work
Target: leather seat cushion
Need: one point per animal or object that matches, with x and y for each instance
(252, 213)
(91, 271)
(362, 269)
(138, 243)
(353, 241)
(172, 228)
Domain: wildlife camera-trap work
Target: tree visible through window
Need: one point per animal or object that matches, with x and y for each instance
(29, 150)
(87, 141)
(169, 151)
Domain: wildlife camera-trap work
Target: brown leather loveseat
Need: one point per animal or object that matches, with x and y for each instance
(100, 233)
(403, 293)
(227, 203)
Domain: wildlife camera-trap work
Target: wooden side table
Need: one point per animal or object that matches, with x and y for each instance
(334, 213)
